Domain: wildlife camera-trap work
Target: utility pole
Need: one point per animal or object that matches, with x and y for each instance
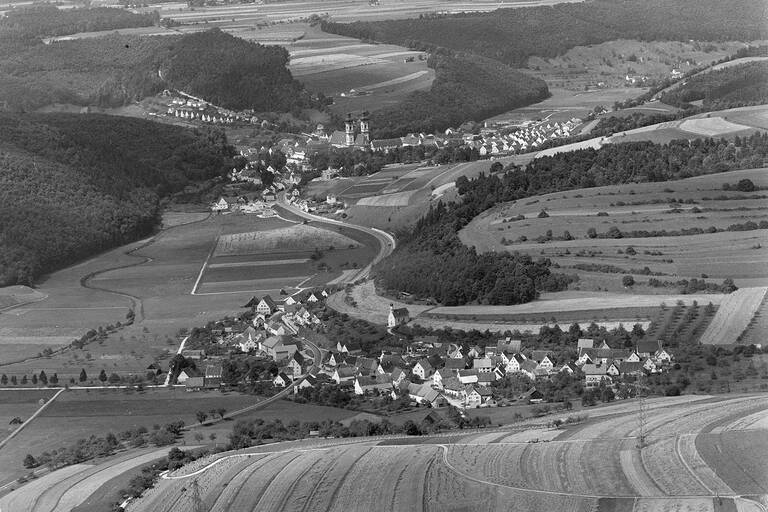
(197, 500)
(642, 418)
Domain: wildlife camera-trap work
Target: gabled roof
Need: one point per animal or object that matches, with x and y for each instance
(269, 302)
(453, 384)
(298, 357)
(593, 369)
(630, 367)
(346, 371)
(424, 363)
(400, 313)
(482, 363)
(455, 363)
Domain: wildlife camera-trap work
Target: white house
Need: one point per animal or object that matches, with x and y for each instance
(397, 316)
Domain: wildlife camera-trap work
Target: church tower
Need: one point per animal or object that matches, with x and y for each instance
(364, 129)
(349, 128)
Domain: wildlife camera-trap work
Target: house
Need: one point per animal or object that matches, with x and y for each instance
(297, 363)
(213, 374)
(423, 394)
(308, 382)
(398, 375)
(439, 376)
(468, 376)
(532, 396)
(220, 206)
(367, 365)
(455, 364)
(194, 383)
(585, 343)
(194, 354)
(282, 380)
(423, 369)
(515, 362)
(186, 374)
(661, 356)
(380, 383)
(486, 378)
(312, 298)
(397, 316)
(631, 369)
(569, 367)
(484, 365)
(266, 306)
(279, 347)
(289, 301)
(456, 352)
(509, 345)
(344, 374)
(594, 374)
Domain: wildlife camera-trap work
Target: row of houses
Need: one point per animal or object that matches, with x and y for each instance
(437, 374)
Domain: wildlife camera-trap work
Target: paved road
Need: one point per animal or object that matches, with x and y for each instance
(387, 242)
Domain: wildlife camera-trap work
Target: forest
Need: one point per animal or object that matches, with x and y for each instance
(73, 185)
(46, 20)
(431, 262)
(737, 86)
(466, 88)
(115, 70)
(511, 36)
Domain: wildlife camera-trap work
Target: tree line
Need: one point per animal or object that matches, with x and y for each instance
(736, 86)
(513, 35)
(431, 261)
(74, 185)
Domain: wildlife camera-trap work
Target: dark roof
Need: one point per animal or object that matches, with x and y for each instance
(400, 312)
(195, 382)
(270, 302)
(455, 364)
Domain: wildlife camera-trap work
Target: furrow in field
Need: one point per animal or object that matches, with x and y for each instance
(25, 498)
(633, 469)
(662, 464)
(689, 452)
(227, 497)
(250, 493)
(324, 494)
(279, 491)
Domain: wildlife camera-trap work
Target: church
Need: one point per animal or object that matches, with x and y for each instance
(350, 137)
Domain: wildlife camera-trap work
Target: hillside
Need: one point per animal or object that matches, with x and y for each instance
(744, 84)
(590, 465)
(512, 36)
(115, 70)
(466, 87)
(72, 185)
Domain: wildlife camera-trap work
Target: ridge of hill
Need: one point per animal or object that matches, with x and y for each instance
(115, 70)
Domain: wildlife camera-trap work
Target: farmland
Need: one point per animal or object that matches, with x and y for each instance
(22, 404)
(678, 469)
(674, 206)
(155, 278)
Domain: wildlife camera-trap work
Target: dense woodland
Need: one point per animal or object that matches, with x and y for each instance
(466, 87)
(46, 20)
(72, 185)
(512, 35)
(115, 70)
(431, 261)
(745, 84)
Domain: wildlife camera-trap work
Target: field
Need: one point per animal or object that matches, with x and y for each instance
(692, 203)
(679, 468)
(22, 404)
(156, 278)
(733, 316)
(609, 63)
(80, 414)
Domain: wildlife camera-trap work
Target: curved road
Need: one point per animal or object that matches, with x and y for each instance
(386, 241)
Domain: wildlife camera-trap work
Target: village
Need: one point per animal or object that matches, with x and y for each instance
(424, 371)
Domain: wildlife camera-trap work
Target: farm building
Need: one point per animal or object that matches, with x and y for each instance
(397, 316)
(278, 347)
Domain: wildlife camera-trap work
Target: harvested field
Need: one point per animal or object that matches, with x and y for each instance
(22, 404)
(396, 199)
(733, 316)
(712, 126)
(293, 237)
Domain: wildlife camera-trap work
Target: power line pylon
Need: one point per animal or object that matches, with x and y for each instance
(197, 500)
(642, 419)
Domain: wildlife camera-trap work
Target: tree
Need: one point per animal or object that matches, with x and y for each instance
(30, 462)
(103, 376)
(627, 281)
(221, 412)
(201, 416)
(746, 185)
(34, 378)
(198, 436)
(83, 375)
(4, 379)
(43, 378)
(13, 380)
(212, 437)
(114, 378)
(55, 379)
(591, 233)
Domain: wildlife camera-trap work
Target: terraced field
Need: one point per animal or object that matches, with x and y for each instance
(699, 455)
(734, 316)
